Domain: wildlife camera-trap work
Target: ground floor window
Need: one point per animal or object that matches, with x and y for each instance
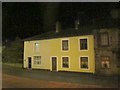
(105, 62)
(37, 59)
(65, 62)
(84, 62)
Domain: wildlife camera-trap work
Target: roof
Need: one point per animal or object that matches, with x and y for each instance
(63, 33)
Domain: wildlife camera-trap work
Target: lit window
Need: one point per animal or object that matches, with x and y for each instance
(105, 62)
(64, 44)
(65, 62)
(104, 41)
(37, 59)
(37, 47)
(84, 62)
(83, 44)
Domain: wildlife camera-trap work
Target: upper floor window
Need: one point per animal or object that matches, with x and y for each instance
(83, 44)
(37, 47)
(105, 62)
(37, 59)
(104, 39)
(65, 45)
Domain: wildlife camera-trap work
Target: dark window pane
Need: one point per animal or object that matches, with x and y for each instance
(65, 62)
(64, 44)
(104, 40)
(83, 44)
(84, 62)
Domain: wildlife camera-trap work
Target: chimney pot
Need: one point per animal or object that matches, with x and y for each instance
(77, 24)
(58, 27)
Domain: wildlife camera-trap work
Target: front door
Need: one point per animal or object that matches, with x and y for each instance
(29, 62)
(54, 63)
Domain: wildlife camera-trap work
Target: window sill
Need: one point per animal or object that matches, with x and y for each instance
(65, 67)
(84, 69)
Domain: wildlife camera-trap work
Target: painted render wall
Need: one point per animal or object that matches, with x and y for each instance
(52, 47)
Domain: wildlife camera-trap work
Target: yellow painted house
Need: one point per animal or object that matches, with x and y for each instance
(68, 50)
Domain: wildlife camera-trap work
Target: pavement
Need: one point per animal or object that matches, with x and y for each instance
(23, 78)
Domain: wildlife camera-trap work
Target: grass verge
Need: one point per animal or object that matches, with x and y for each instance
(19, 65)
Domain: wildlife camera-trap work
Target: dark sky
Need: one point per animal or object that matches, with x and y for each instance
(28, 19)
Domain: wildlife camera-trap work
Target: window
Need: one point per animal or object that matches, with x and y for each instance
(64, 44)
(65, 62)
(36, 47)
(83, 44)
(84, 62)
(37, 59)
(104, 41)
(105, 62)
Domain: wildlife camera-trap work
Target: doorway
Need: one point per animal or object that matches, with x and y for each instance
(54, 63)
(29, 62)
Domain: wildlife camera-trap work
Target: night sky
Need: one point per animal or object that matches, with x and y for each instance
(29, 19)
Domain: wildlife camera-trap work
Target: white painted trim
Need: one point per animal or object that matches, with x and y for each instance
(51, 62)
(68, 45)
(62, 62)
(80, 63)
(85, 37)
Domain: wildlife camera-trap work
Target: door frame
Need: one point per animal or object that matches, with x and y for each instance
(28, 62)
(56, 63)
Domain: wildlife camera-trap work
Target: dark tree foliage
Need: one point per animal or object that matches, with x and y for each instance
(14, 52)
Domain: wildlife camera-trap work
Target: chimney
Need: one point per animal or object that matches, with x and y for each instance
(78, 17)
(77, 21)
(77, 24)
(58, 27)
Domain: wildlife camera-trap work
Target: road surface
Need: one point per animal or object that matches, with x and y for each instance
(24, 78)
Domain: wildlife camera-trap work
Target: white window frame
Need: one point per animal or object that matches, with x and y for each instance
(80, 63)
(62, 62)
(51, 63)
(87, 43)
(34, 59)
(68, 45)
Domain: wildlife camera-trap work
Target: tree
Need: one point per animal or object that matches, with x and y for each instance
(14, 52)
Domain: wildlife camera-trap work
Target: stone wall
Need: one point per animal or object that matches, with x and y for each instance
(110, 51)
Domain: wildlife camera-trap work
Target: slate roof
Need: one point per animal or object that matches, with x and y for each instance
(84, 30)
(63, 33)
